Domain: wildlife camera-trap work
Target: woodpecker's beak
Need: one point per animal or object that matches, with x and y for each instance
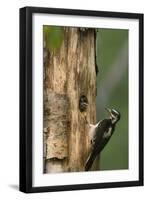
(108, 110)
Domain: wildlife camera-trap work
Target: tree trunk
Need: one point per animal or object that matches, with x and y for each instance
(68, 74)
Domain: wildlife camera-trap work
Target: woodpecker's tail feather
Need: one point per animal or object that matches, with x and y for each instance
(89, 162)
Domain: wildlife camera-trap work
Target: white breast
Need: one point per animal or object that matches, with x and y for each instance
(92, 130)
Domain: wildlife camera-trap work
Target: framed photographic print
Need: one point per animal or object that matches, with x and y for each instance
(81, 99)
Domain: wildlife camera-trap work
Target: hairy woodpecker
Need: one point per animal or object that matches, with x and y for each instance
(100, 134)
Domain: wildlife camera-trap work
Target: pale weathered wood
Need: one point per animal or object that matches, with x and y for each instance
(68, 74)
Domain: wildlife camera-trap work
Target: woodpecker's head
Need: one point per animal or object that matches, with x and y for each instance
(114, 115)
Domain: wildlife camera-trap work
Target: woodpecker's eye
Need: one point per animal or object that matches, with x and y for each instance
(114, 112)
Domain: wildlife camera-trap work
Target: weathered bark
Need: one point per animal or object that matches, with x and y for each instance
(68, 74)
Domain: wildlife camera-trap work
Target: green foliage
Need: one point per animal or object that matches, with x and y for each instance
(53, 37)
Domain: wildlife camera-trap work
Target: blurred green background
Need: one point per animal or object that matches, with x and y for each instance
(112, 92)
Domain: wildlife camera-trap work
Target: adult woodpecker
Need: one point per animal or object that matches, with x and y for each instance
(100, 134)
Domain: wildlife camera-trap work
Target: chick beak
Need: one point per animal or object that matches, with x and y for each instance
(85, 104)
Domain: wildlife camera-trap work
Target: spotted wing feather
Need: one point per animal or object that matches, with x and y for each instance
(99, 141)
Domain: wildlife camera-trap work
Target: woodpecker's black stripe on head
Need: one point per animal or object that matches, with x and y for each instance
(115, 112)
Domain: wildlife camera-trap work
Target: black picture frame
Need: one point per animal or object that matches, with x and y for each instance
(26, 97)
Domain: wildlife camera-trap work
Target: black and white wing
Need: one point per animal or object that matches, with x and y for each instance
(103, 133)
